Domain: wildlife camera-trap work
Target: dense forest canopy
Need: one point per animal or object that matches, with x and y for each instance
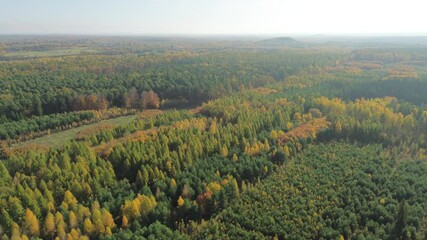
(54, 85)
(175, 138)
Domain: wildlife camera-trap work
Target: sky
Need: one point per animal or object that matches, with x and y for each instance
(210, 17)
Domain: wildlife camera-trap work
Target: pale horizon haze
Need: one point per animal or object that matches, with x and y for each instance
(206, 17)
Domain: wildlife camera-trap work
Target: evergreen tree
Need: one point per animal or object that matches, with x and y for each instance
(402, 221)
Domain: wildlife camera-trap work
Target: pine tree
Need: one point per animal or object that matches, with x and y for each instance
(244, 186)
(338, 127)
(6, 219)
(139, 179)
(15, 207)
(4, 175)
(146, 176)
(236, 187)
(402, 221)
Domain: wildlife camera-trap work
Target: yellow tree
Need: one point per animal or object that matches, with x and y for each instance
(108, 231)
(266, 145)
(49, 224)
(72, 220)
(82, 213)
(74, 234)
(236, 187)
(147, 203)
(180, 201)
(125, 221)
(84, 237)
(70, 199)
(61, 230)
(88, 226)
(31, 224)
(224, 151)
(98, 226)
(213, 187)
(409, 122)
(131, 209)
(235, 158)
(297, 117)
(59, 219)
(286, 151)
(213, 128)
(16, 232)
(107, 218)
(273, 134)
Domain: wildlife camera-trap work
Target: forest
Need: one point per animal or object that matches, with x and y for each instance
(225, 139)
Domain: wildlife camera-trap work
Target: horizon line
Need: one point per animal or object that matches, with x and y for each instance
(420, 34)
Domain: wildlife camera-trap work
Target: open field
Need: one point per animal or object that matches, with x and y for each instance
(57, 139)
(49, 53)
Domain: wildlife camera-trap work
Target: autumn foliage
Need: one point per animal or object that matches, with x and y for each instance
(306, 130)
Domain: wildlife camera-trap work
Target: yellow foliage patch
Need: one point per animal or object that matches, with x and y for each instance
(401, 72)
(138, 136)
(94, 130)
(149, 113)
(264, 90)
(21, 150)
(304, 131)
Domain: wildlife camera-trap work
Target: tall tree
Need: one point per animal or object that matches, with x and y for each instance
(402, 221)
(49, 225)
(131, 98)
(150, 100)
(31, 224)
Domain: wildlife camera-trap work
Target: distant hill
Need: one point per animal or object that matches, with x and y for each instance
(279, 41)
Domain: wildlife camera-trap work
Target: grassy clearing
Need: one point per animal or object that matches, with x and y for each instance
(55, 140)
(49, 53)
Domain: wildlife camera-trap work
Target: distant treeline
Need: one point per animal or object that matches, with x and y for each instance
(56, 85)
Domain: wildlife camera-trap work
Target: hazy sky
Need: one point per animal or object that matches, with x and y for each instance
(213, 16)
